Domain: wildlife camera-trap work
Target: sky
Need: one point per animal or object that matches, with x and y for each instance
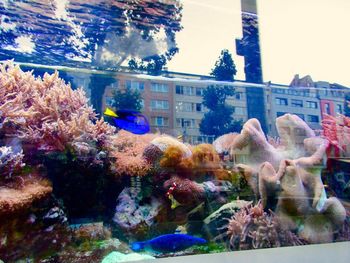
(305, 37)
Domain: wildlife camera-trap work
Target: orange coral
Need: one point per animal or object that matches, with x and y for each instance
(206, 160)
(174, 160)
(205, 157)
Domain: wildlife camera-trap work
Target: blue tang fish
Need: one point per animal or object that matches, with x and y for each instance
(168, 243)
(129, 120)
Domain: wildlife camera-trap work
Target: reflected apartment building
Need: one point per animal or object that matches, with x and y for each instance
(173, 102)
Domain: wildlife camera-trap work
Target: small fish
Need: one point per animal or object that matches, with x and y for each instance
(174, 202)
(169, 194)
(129, 120)
(168, 243)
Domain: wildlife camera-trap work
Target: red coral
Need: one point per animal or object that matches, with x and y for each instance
(187, 192)
(337, 131)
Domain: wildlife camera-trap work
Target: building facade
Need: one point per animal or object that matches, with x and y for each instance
(173, 105)
(173, 102)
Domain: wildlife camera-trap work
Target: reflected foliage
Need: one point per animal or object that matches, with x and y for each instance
(225, 68)
(128, 99)
(218, 120)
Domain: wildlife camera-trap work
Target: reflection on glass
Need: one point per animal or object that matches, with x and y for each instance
(228, 164)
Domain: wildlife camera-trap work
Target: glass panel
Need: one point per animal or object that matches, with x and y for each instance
(137, 129)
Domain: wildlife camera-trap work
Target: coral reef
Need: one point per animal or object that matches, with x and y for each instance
(217, 220)
(188, 192)
(252, 227)
(131, 214)
(46, 112)
(33, 227)
(173, 161)
(164, 141)
(10, 162)
(126, 151)
(15, 200)
(205, 158)
(288, 178)
(147, 180)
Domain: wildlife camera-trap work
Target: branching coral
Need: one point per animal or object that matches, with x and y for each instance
(46, 112)
(10, 162)
(126, 151)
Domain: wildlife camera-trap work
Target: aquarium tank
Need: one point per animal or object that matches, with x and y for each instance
(145, 129)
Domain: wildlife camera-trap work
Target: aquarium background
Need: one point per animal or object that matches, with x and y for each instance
(110, 151)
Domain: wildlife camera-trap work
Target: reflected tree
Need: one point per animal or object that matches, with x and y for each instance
(225, 68)
(127, 99)
(218, 120)
(102, 34)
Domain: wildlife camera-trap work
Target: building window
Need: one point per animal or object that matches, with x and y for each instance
(199, 91)
(297, 103)
(184, 90)
(115, 84)
(312, 118)
(109, 101)
(311, 104)
(238, 95)
(280, 113)
(199, 107)
(239, 110)
(160, 121)
(179, 89)
(131, 84)
(339, 108)
(158, 87)
(159, 104)
(327, 108)
(185, 106)
(281, 101)
(187, 123)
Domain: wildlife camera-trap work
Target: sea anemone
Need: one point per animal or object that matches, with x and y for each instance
(251, 227)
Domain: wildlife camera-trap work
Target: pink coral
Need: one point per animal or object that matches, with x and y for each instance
(337, 131)
(252, 227)
(46, 111)
(126, 150)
